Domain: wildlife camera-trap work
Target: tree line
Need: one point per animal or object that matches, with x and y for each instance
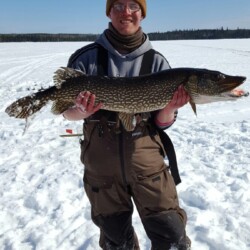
(43, 37)
(154, 36)
(201, 34)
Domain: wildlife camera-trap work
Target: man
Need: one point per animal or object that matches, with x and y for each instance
(120, 165)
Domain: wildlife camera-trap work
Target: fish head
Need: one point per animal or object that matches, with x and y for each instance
(206, 86)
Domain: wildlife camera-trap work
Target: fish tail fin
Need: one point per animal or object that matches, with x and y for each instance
(26, 106)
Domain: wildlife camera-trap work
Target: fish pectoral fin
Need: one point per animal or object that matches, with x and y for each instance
(193, 106)
(58, 107)
(128, 121)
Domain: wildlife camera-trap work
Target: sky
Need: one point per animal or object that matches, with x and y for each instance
(82, 16)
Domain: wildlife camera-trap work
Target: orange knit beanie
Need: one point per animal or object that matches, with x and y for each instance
(141, 2)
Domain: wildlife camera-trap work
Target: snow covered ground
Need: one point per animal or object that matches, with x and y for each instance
(42, 202)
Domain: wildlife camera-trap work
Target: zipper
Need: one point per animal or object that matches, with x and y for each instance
(122, 157)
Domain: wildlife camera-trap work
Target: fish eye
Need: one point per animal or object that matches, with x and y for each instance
(218, 77)
(221, 77)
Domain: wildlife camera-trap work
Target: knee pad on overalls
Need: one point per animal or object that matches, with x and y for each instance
(165, 229)
(116, 230)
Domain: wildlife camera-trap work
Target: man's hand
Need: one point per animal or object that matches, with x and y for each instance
(84, 107)
(166, 115)
(180, 98)
(85, 103)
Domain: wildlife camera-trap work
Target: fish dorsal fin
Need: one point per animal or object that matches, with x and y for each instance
(64, 73)
(128, 121)
(58, 107)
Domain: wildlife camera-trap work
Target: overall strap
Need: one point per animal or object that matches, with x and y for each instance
(147, 61)
(170, 151)
(102, 61)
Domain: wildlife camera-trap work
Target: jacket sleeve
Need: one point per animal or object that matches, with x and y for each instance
(84, 59)
(160, 63)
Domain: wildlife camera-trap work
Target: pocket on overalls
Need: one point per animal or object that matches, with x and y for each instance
(156, 192)
(102, 193)
(152, 176)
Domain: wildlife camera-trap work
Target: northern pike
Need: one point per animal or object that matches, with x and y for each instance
(129, 95)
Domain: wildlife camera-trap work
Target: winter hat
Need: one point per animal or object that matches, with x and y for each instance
(141, 2)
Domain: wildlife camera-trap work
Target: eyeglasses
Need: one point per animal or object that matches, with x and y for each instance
(132, 7)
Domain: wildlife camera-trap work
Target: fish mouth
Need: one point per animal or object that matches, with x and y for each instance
(231, 82)
(237, 92)
(227, 90)
(229, 87)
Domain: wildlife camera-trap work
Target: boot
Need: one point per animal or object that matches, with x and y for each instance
(181, 246)
(106, 244)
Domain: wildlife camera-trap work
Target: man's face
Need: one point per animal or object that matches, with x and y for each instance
(126, 16)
